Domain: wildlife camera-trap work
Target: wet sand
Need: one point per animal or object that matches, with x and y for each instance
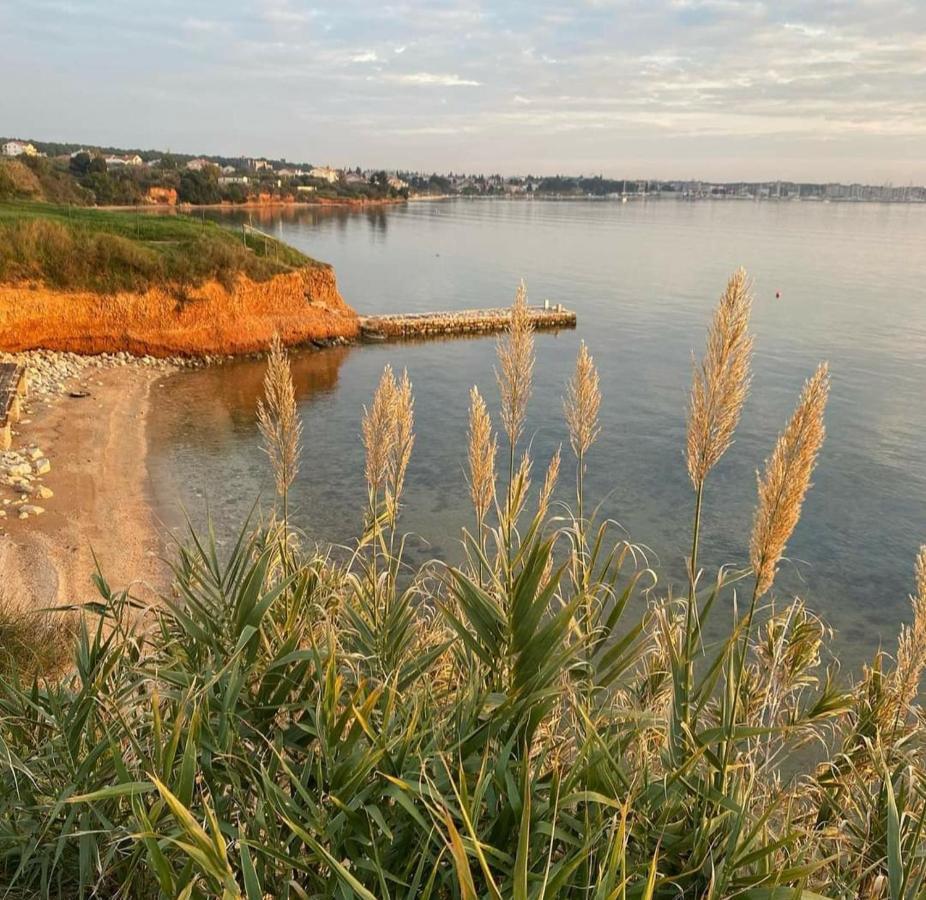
(101, 505)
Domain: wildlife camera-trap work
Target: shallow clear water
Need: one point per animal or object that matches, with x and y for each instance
(643, 278)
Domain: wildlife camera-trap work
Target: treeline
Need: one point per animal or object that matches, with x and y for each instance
(85, 178)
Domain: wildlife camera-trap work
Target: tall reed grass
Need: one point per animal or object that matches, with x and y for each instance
(541, 721)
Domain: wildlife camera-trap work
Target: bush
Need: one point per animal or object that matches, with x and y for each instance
(538, 722)
(34, 644)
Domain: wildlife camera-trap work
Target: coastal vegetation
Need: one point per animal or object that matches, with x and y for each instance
(543, 720)
(64, 173)
(95, 250)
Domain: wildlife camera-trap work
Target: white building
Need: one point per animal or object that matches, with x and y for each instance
(326, 173)
(233, 179)
(198, 164)
(131, 159)
(19, 148)
(396, 183)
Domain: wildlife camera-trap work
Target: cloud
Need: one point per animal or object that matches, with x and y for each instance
(698, 86)
(431, 78)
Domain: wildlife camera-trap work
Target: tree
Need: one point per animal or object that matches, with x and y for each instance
(80, 163)
(199, 187)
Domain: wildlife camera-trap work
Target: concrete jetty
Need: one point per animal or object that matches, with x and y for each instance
(464, 321)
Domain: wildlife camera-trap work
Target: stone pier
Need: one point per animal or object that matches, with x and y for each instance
(466, 321)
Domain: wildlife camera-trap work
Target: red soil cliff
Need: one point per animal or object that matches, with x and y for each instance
(302, 306)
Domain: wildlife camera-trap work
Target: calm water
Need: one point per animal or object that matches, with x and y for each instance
(643, 279)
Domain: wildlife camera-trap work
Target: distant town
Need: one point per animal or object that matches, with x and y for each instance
(108, 176)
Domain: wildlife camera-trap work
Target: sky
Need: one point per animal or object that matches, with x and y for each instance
(715, 89)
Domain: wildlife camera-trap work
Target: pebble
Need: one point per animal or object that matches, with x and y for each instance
(52, 375)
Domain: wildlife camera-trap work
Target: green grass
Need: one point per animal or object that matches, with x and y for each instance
(77, 248)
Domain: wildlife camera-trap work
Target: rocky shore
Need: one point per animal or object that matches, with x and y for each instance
(52, 376)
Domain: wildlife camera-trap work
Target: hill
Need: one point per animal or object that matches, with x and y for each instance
(90, 280)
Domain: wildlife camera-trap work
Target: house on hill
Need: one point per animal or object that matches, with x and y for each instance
(326, 173)
(130, 159)
(19, 148)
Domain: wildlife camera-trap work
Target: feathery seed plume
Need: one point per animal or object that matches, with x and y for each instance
(482, 449)
(549, 484)
(911, 648)
(516, 366)
(378, 431)
(520, 488)
(784, 484)
(582, 403)
(720, 384)
(278, 419)
(403, 436)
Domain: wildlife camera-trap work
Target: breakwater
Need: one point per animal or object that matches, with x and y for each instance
(466, 321)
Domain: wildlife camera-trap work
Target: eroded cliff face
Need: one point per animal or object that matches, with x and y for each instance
(302, 306)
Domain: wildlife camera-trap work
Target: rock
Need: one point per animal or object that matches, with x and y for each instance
(34, 453)
(30, 510)
(44, 493)
(42, 466)
(18, 470)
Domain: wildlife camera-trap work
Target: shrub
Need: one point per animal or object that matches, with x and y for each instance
(34, 644)
(538, 722)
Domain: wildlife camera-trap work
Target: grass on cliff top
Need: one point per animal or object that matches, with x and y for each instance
(72, 248)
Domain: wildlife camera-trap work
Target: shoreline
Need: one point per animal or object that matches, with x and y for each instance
(188, 208)
(97, 505)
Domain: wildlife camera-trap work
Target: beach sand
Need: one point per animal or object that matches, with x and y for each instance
(101, 504)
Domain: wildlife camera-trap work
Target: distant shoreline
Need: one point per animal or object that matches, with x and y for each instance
(254, 205)
(348, 203)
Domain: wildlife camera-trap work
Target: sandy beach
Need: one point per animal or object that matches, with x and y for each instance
(100, 505)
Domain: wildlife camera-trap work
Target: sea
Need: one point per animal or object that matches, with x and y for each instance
(842, 282)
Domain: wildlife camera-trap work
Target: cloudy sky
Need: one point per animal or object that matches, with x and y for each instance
(723, 89)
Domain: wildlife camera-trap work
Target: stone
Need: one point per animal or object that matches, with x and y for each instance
(42, 466)
(30, 510)
(18, 470)
(44, 493)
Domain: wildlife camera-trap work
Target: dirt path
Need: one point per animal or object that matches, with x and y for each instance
(97, 448)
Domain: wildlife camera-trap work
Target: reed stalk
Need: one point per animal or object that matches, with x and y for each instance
(280, 426)
(481, 452)
(781, 491)
(720, 385)
(514, 374)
